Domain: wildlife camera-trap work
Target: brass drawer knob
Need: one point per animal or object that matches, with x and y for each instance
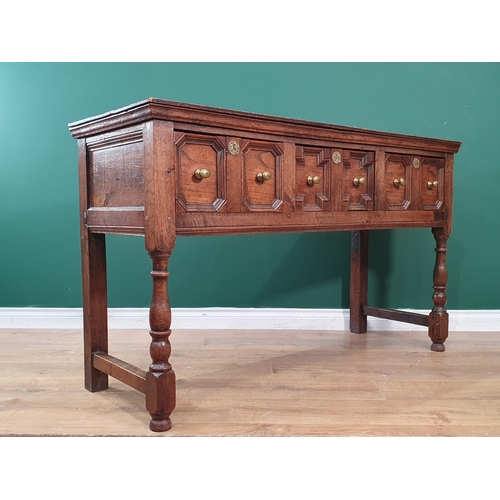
(359, 182)
(399, 182)
(263, 176)
(202, 173)
(431, 184)
(313, 180)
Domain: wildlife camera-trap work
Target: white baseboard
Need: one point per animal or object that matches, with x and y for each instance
(238, 318)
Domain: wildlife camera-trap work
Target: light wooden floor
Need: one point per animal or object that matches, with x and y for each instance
(260, 383)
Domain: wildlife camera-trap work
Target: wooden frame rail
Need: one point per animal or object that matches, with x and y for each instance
(120, 370)
(397, 315)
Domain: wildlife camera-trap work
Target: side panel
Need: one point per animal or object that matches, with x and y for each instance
(115, 189)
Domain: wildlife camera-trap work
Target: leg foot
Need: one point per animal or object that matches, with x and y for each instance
(160, 396)
(437, 347)
(158, 425)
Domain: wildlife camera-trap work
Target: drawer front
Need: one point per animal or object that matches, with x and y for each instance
(313, 174)
(398, 181)
(224, 173)
(431, 183)
(358, 180)
(217, 173)
(262, 172)
(201, 172)
(413, 182)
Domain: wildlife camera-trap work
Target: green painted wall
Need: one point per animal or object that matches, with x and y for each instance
(39, 248)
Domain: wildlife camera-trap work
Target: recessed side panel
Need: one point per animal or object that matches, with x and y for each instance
(116, 170)
(115, 182)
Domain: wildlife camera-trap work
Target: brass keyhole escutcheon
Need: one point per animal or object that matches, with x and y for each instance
(202, 173)
(234, 148)
(399, 182)
(313, 180)
(336, 157)
(431, 184)
(359, 182)
(416, 163)
(263, 176)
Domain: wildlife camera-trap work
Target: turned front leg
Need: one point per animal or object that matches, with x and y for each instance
(438, 318)
(160, 379)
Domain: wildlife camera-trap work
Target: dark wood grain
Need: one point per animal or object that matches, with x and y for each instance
(200, 152)
(123, 220)
(268, 222)
(159, 184)
(140, 173)
(121, 370)
(438, 318)
(396, 315)
(162, 109)
(359, 280)
(160, 379)
(94, 284)
(259, 157)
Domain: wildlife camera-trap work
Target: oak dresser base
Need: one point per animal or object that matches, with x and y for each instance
(163, 169)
